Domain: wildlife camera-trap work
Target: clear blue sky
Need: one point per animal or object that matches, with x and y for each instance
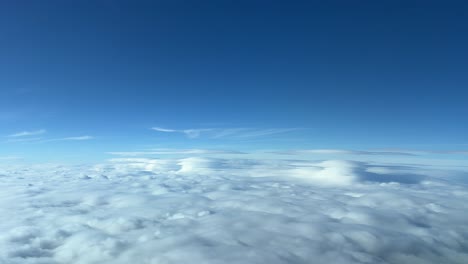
(86, 77)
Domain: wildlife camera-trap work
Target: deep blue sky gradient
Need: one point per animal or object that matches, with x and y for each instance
(352, 74)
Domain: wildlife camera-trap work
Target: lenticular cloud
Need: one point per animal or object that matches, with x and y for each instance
(201, 210)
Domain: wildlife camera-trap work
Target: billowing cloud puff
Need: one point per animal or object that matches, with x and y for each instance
(206, 210)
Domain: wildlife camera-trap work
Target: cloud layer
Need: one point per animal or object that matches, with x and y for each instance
(205, 210)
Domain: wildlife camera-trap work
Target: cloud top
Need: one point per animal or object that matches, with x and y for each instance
(206, 210)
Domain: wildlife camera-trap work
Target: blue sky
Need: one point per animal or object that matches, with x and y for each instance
(84, 78)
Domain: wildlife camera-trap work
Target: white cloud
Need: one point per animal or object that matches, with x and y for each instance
(28, 133)
(27, 139)
(42, 140)
(79, 138)
(160, 129)
(239, 133)
(394, 152)
(454, 152)
(252, 133)
(343, 152)
(191, 133)
(205, 210)
(320, 173)
(194, 133)
(175, 152)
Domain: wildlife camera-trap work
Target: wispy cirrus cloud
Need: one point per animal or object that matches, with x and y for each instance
(342, 152)
(78, 138)
(191, 133)
(42, 140)
(250, 132)
(239, 133)
(28, 133)
(175, 152)
(432, 151)
(385, 152)
(25, 140)
(160, 129)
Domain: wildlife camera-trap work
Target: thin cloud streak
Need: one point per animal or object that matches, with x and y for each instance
(28, 133)
(160, 129)
(399, 152)
(263, 132)
(217, 133)
(342, 152)
(191, 133)
(79, 138)
(455, 152)
(431, 151)
(19, 140)
(176, 152)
